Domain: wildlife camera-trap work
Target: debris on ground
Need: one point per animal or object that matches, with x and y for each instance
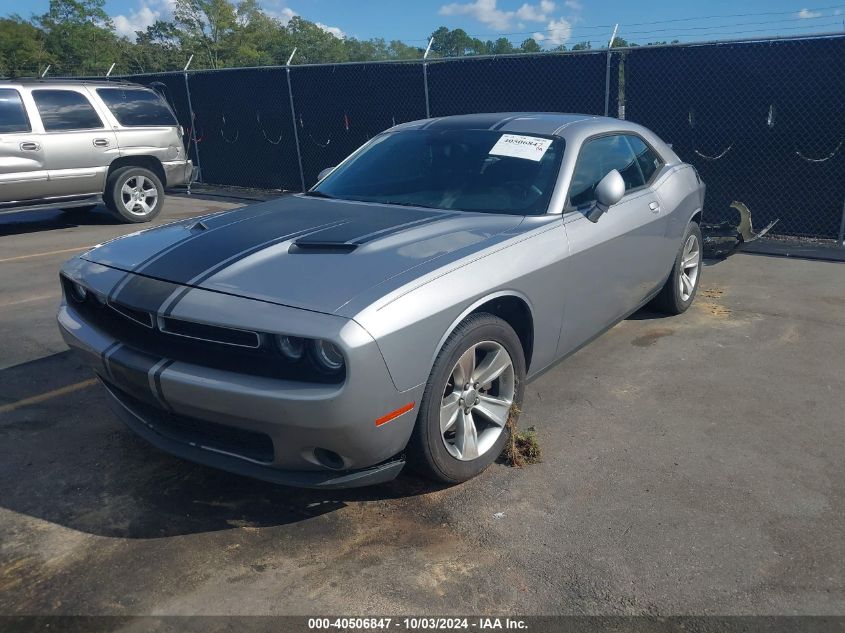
(722, 239)
(499, 515)
(522, 447)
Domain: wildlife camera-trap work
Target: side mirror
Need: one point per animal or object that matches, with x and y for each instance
(609, 191)
(324, 173)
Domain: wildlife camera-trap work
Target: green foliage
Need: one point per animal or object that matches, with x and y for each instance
(77, 38)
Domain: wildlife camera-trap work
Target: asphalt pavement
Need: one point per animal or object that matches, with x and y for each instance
(691, 465)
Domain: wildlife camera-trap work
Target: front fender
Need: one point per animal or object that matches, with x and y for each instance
(412, 324)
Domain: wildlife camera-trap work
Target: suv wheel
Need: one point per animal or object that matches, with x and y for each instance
(477, 378)
(134, 194)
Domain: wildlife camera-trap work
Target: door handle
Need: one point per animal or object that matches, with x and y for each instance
(29, 146)
(101, 142)
(654, 206)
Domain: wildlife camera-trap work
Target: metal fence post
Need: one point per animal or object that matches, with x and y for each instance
(193, 123)
(425, 77)
(607, 73)
(841, 243)
(293, 121)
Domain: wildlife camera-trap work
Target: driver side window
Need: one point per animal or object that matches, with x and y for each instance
(598, 158)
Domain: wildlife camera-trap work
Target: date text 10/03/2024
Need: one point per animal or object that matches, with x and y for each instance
(411, 623)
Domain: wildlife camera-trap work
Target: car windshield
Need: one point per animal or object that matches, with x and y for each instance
(460, 170)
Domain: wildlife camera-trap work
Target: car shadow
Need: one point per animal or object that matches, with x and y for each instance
(22, 222)
(66, 459)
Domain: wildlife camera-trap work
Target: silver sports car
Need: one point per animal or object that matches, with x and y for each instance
(394, 312)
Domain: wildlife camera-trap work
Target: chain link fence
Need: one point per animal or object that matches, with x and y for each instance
(762, 121)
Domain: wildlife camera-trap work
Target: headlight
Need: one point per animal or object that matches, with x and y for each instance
(292, 347)
(326, 356)
(78, 292)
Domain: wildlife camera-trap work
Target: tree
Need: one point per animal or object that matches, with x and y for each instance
(530, 46)
(79, 36)
(501, 46)
(456, 43)
(582, 46)
(22, 47)
(205, 25)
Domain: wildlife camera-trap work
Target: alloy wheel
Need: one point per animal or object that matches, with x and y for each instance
(690, 263)
(139, 195)
(477, 400)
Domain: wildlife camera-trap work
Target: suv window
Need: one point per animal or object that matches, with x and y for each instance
(648, 160)
(12, 113)
(599, 157)
(65, 110)
(135, 108)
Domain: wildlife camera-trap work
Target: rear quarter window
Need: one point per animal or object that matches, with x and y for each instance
(137, 108)
(13, 116)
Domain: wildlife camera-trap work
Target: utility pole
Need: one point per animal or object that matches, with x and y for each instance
(607, 73)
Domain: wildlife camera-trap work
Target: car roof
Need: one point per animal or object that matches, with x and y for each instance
(548, 123)
(37, 81)
(575, 128)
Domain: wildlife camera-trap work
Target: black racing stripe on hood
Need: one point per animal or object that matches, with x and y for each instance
(192, 258)
(370, 220)
(143, 293)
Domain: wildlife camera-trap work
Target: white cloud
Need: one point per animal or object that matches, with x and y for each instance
(558, 32)
(285, 14)
(126, 25)
(139, 19)
(334, 30)
(574, 5)
(806, 14)
(486, 12)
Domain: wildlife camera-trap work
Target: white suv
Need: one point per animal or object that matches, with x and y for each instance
(69, 144)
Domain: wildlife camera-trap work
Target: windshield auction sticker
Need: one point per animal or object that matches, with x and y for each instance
(517, 146)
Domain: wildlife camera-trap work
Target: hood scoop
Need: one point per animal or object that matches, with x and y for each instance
(322, 247)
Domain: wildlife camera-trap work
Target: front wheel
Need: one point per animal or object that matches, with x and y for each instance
(134, 194)
(475, 386)
(679, 291)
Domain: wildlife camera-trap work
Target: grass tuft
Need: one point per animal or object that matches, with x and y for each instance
(522, 447)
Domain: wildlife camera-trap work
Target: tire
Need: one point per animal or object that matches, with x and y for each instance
(672, 299)
(447, 456)
(126, 182)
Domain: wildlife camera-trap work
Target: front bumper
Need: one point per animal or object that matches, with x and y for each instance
(155, 395)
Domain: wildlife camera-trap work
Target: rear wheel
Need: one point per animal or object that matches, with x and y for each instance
(134, 194)
(679, 291)
(476, 384)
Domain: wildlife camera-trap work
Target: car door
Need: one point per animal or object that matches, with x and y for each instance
(615, 263)
(23, 174)
(78, 146)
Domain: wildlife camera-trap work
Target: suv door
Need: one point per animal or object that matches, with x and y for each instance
(78, 147)
(23, 175)
(617, 262)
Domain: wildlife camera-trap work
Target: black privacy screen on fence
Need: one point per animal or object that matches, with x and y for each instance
(763, 122)
(340, 107)
(525, 83)
(244, 128)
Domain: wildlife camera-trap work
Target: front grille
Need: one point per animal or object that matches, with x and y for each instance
(209, 435)
(210, 333)
(227, 349)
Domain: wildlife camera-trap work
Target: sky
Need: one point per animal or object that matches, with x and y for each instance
(551, 22)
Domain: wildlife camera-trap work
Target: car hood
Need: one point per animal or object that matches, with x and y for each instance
(305, 252)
